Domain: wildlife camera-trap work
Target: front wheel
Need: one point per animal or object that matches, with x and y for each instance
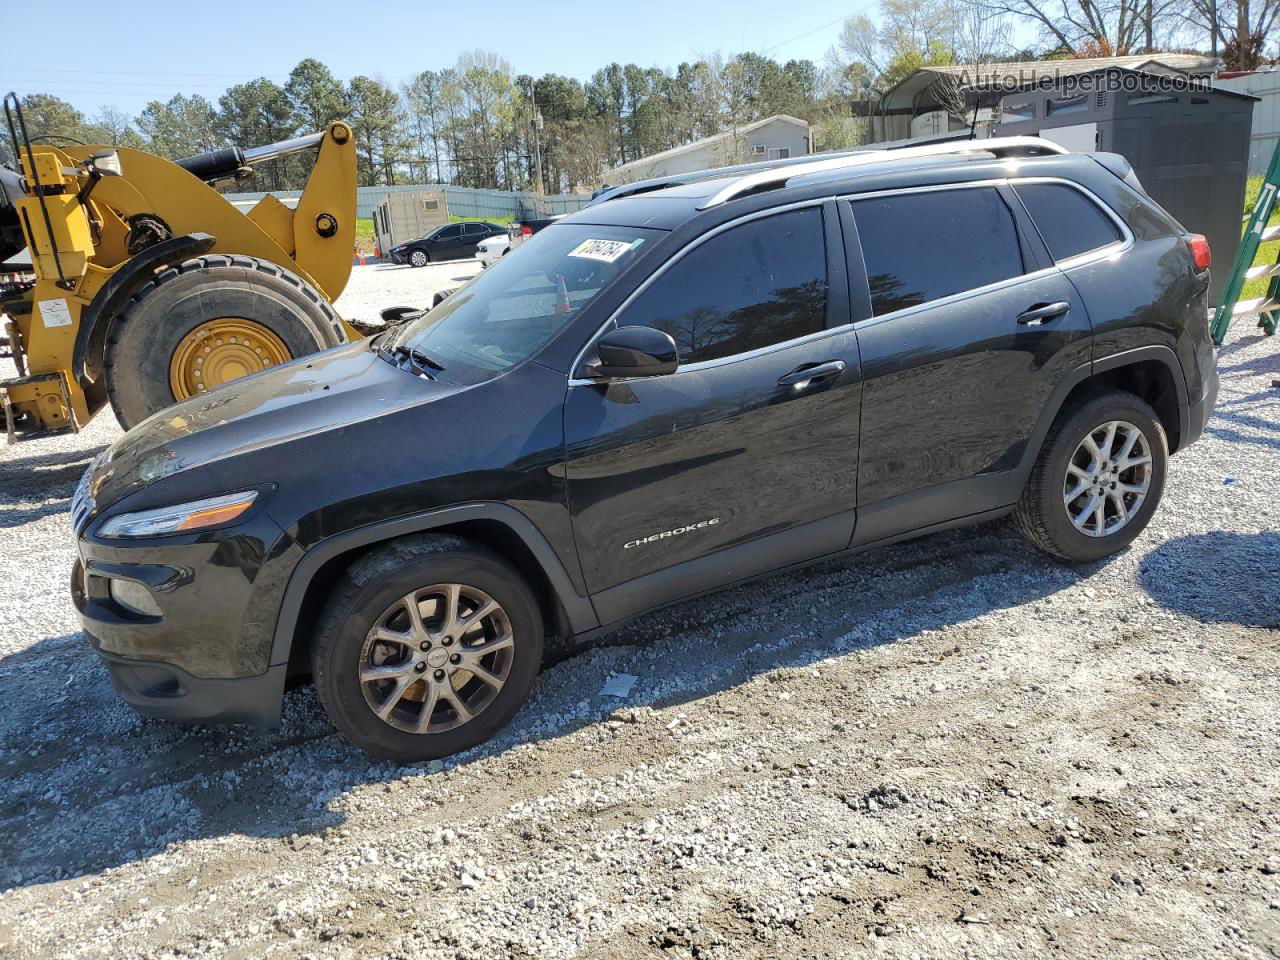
(428, 646)
(419, 258)
(1098, 479)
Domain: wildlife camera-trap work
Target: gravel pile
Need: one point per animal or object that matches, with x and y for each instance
(953, 747)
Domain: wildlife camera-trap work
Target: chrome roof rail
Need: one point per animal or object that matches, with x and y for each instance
(779, 175)
(715, 173)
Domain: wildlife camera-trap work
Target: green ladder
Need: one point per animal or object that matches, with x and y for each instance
(1242, 268)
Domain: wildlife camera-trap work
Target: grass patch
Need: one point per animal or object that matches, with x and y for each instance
(1267, 252)
(365, 239)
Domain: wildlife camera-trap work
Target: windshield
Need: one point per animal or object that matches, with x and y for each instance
(505, 314)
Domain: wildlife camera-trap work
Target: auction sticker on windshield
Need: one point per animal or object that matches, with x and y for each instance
(603, 250)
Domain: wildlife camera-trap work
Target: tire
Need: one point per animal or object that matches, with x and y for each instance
(152, 326)
(1073, 530)
(371, 594)
(419, 258)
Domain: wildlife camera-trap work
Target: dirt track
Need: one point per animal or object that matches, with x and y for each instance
(951, 747)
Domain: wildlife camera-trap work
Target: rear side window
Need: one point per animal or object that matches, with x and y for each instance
(1069, 222)
(754, 285)
(919, 247)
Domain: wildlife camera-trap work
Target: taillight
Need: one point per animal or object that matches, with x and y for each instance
(527, 231)
(1200, 251)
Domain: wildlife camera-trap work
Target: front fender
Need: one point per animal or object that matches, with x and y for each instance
(582, 616)
(91, 338)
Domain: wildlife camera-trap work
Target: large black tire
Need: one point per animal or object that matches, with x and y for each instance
(147, 331)
(419, 258)
(361, 599)
(1042, 515)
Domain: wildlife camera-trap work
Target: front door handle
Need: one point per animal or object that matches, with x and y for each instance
(1043, 314)
(817, 371)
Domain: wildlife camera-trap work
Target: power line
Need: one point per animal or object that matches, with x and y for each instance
(809, 33)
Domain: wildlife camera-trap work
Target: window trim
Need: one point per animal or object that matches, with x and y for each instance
(1089, 256)
(679, 255)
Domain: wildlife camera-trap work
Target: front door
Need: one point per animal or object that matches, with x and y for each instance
(970, 331)
(738, 462)
(448, 243)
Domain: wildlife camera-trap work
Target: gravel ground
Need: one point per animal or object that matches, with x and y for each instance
(373, 288)
(953, 747)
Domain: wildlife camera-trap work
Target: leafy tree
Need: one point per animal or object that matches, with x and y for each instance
(255, 114)
(315, 95)
(182, 127)
(376, 118)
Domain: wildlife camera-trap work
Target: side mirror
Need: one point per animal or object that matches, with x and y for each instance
(635, 352)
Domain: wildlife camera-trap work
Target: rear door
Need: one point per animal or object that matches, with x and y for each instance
(966, 330)
(738, 462)
(472, 234)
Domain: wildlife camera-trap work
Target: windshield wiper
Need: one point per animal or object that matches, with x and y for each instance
(418, 361)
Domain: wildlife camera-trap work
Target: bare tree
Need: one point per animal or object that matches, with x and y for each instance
(1240, 28)
(1099, 28)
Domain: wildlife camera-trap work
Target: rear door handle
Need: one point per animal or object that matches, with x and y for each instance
(1039, 315)
(817, 371)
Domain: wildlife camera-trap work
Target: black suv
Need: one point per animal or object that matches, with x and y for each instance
(453, 241)
(683, 386)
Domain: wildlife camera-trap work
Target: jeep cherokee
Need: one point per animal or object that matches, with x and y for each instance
(689, 383)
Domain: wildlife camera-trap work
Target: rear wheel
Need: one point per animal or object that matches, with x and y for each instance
(419, 258)
(428, 647)
(1098, 480)
(206, 322)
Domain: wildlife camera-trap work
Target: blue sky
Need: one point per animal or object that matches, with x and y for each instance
(165, 48)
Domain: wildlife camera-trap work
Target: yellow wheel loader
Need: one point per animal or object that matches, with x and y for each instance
(150, 286)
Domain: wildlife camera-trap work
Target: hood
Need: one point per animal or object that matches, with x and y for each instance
(321, 392)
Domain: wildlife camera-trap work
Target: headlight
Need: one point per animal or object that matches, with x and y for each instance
(180, 518)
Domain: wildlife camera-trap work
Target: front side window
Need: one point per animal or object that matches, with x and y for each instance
(919, 247)
(1069, 222)
(449, 233)
(757, 284)
(506, 313)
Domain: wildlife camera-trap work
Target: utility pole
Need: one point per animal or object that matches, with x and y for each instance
(1213, 28)
(537, 144)
(1150, 42)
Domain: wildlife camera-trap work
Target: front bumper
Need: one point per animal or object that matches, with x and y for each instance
(167, 692)
(203, 652)
(397, 256)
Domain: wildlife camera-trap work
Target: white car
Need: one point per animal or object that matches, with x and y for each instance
(490, 250)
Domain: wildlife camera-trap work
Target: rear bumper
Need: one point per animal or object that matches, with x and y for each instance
(1199, 412)
(167, 692)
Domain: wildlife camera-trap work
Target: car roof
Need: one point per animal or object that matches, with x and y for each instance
(669, 202)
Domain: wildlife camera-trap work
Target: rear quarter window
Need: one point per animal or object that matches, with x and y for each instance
(1069, 222)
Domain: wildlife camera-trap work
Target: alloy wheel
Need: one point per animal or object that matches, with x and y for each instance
(418, 258)
(436, 658)
(1107, 478)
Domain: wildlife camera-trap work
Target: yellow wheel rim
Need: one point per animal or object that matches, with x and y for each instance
(222, 350)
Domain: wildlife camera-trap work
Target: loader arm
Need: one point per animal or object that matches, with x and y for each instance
(318, 236)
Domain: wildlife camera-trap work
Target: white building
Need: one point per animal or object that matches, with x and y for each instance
(1265, 85)
(773, 138)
